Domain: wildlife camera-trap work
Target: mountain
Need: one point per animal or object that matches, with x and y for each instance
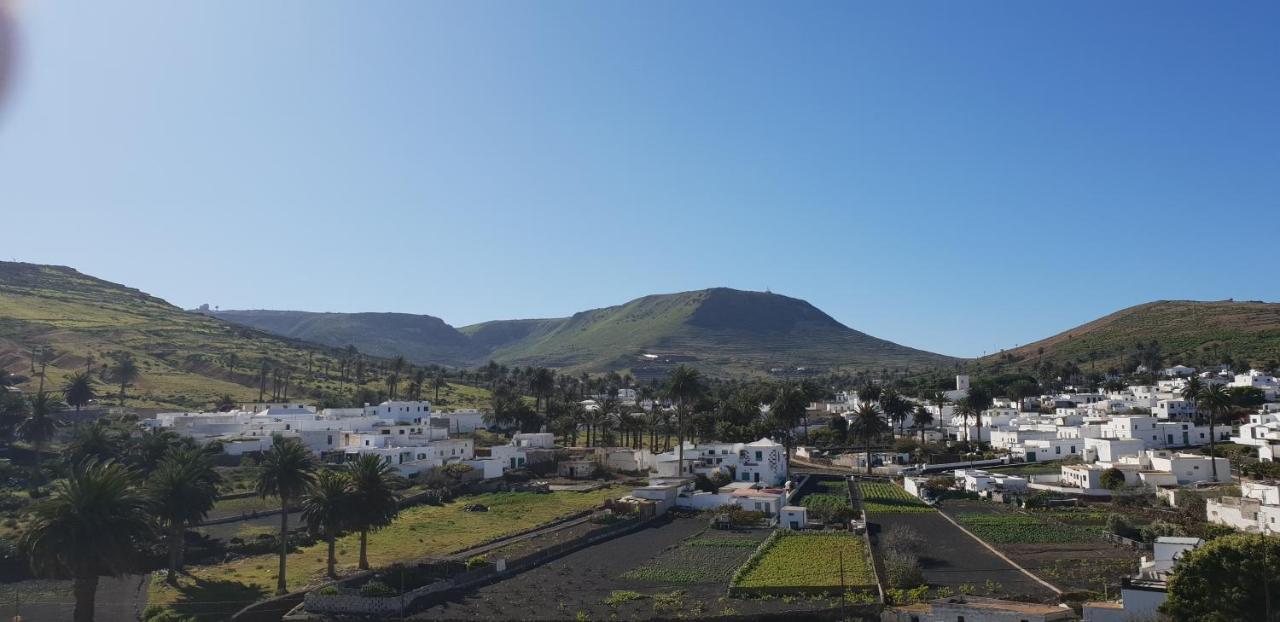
(722, 330)
(420, 338)
(186, 359)
(1186, 331)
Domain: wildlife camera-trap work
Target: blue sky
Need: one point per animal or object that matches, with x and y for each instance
(953, 176)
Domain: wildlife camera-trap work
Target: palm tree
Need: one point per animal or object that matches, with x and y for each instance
(1215, 402)
(866, 426)
(542, 383)
(1191, 390)
(79, 390)
(685, 388)
(939, 399)
(375, 502)
(146, 450)
(89, 526)
(327, 509)
(438, 381)
(286, 471)
(183, 489)
(978, 400)
(922, 419)
(894, 407)
(790, 406)
(93, 440)
(125, 372)
(38, 428)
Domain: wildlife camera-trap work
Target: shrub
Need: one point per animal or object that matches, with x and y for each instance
(902, 569)
(476, 562)
(618, 597)
(1119, 525)
(328, 590)
(1160, 528)
(1112, 479)
(376, 589)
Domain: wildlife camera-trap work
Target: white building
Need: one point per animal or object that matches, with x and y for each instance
(763, 461)
(1256, 510)
(1142, 595)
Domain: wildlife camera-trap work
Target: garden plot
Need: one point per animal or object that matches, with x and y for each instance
(1063, 546)
(886, 498)
(808, 561)
(707, 557)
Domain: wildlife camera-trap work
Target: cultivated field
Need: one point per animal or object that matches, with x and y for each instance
(886, 498)
(809, 560)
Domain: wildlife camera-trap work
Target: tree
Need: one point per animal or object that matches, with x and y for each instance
(1215, 403)
(286, 471)
(79, 391)
(1191, 390)
(38, 428)
(789, 407)
(685, 388)
(145, 451)
(542, 383)
(125, 372)
(922, 419)
(978, 401)
(373, 497)
(867, 425)
(939, 399)
(183, 489)
(1020, 390)
(894, 407)
(1112, 479)
(93, 440)
(90, 526)
(326, 509)
(1229, 578)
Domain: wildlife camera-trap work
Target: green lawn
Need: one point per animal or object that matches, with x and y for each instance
(420, 531)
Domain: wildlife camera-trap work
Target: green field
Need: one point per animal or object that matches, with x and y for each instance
(886, 498)
(699, 559)
(1017, 528)
(808, 560)
(213, 592)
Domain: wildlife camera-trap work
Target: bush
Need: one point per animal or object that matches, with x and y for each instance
(1112, 479)
(1119, 525)
(376, 589)
(902, 569)
(476, 561)
(1160, 528)
(327, 590)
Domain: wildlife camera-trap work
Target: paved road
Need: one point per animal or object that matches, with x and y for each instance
(119, 600)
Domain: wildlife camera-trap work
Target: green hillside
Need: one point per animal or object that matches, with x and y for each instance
(1187, 332)
(185, 358)
(416, 337)
(722, 330)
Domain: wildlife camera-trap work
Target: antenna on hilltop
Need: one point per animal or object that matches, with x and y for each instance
(767, 290)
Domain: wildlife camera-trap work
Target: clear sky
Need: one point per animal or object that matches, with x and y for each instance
(955, 176)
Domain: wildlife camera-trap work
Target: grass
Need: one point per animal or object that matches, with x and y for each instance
(804, 560)
(418, 532)
(183, 357)
(885, 498)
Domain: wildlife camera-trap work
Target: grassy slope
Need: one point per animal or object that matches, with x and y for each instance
(213, 592)
(726, 330)
(1183, 328)
(419, 338)
(181, 355)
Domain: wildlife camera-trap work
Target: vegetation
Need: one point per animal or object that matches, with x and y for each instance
(1011, 528)
(285, 472)
(801, 560)
(829, 508)
(1229, 578)
(183, 489)
(886, 498)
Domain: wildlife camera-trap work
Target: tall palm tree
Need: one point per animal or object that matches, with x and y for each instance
(183, 489)
(285, 472)
(1215, 402)
(146, 450)
(93, 440)
(79, 390)
(438, 381)
(1191, 390)
(326, 509)
(125, 372)
(979, 400)
(542, 383)
(685, 388)
(790, 405)
(922, 419)
(38, 428)
(867, 425)
(894, 407)
(89, 526)
(939, 399)
(375, 502)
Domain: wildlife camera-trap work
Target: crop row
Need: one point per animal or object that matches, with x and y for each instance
(804, 560)
(696, 560)
(885, 498)
(1021, 529)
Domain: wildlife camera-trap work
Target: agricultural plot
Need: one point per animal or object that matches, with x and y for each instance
(808, 560)
(886, 498)
(828, 508)
(1011, 528)
(703, 558)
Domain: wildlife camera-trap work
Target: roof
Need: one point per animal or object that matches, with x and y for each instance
(793, 508)
(1001, 605)
(1179, 540)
